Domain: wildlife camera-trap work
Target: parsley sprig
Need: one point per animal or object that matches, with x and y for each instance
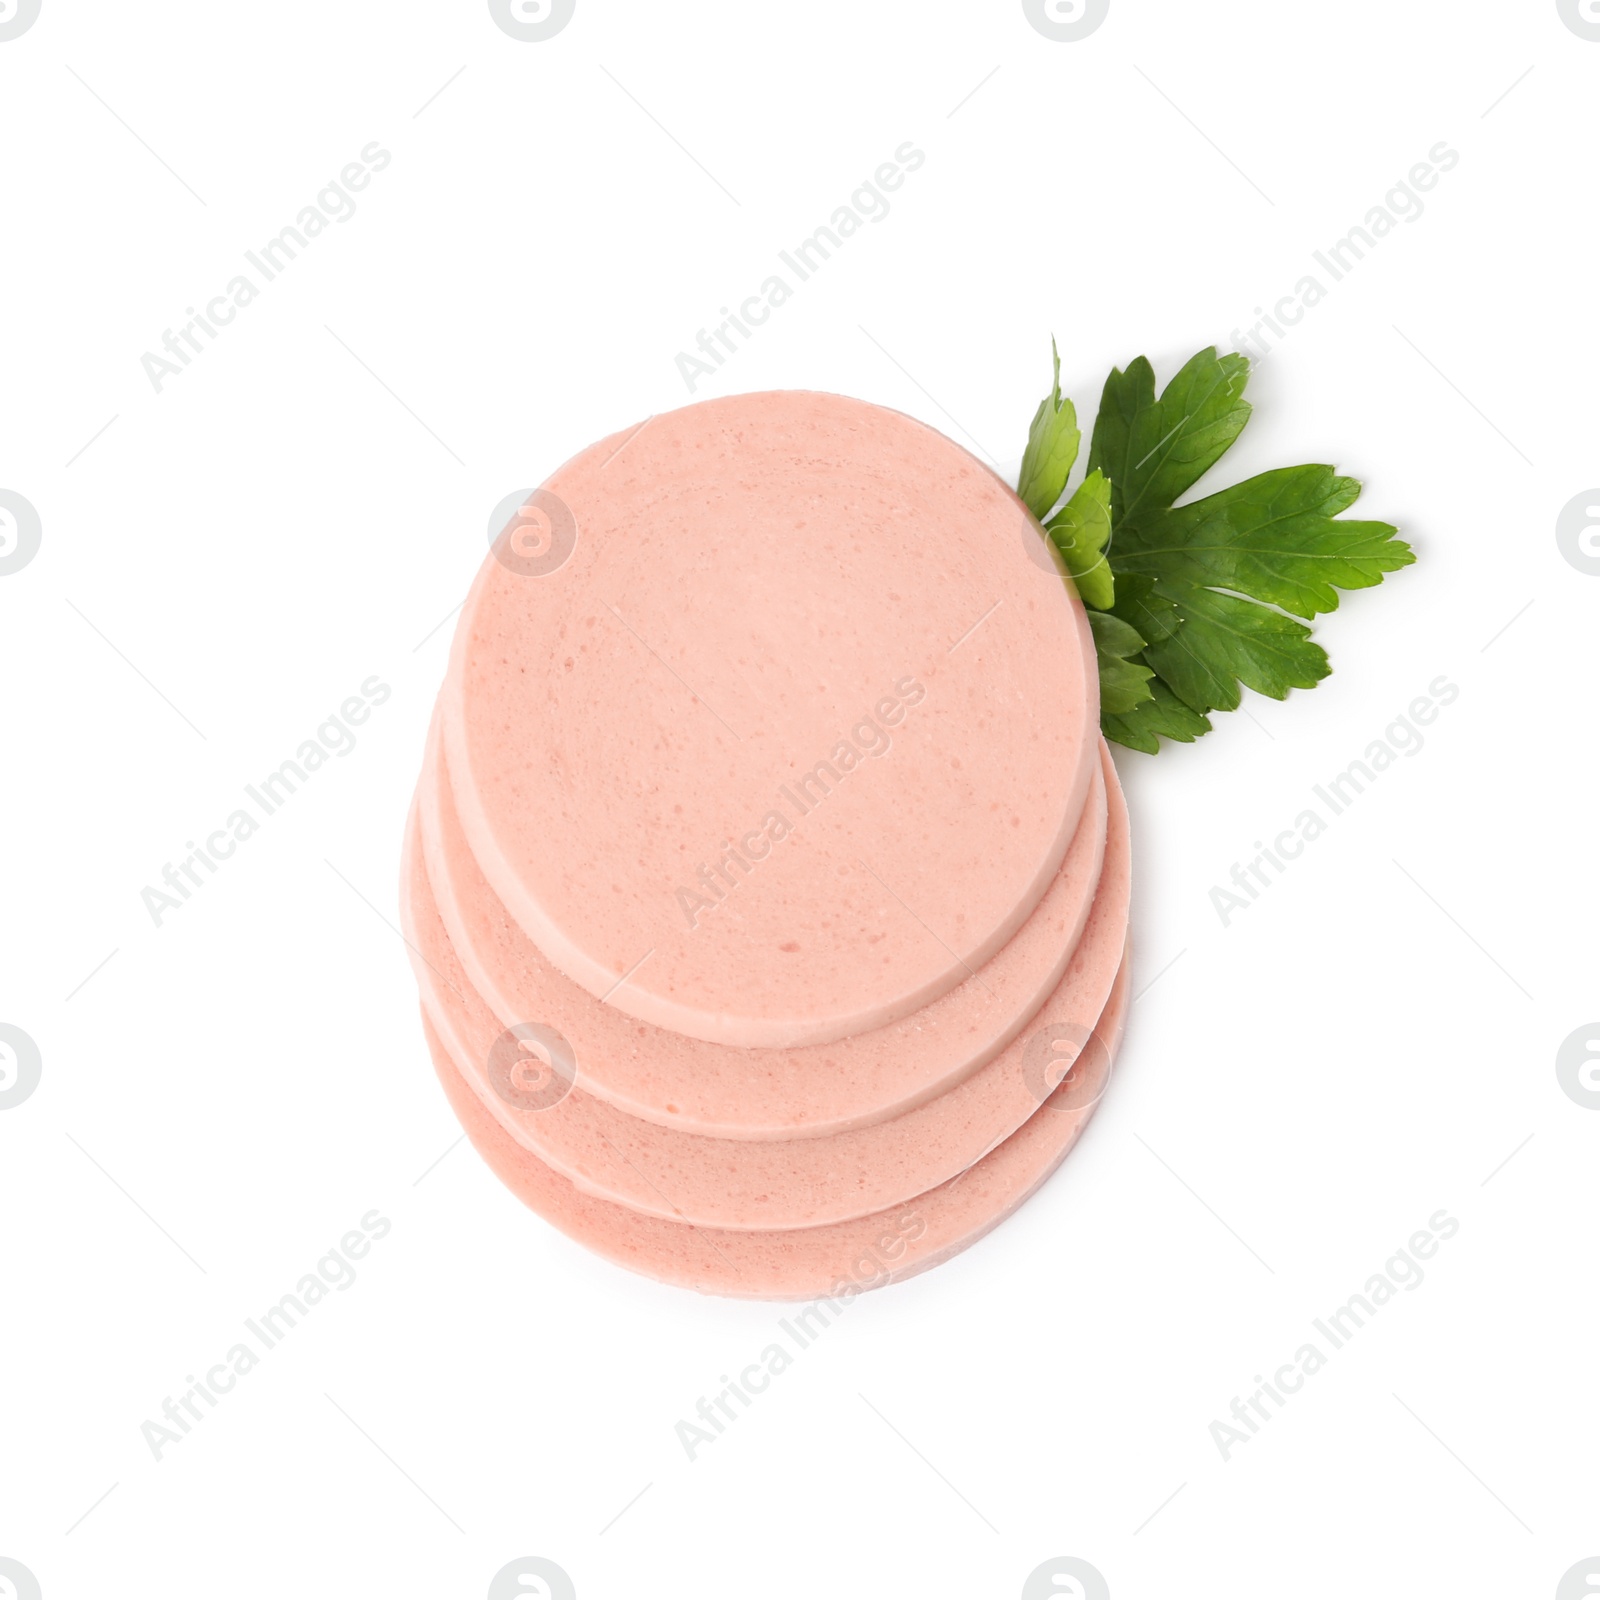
(1189, 603)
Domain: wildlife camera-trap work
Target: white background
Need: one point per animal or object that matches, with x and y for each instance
(1372, 1041)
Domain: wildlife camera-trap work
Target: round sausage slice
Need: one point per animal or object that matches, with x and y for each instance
(770, 721)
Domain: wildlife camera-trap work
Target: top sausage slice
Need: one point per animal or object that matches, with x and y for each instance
(770, 721)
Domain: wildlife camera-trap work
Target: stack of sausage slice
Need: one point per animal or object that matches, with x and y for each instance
(767, 879)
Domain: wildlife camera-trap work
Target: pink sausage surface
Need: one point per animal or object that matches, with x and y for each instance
(773, 1184)
(725, 1092)
(838, 1261)
(770, 721)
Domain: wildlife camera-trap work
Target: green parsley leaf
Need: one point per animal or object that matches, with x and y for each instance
(1213, 587)
(1192, 604)
(1223, 641)
(1080, 530)
(1153, 450)
(1162, 716)
(1053, 442)
(1273, 537)
(1146, 612)
(1124, 682)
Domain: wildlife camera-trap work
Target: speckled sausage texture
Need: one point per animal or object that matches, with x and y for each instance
(767, 882)
(726, 1092)
(796, 735)
(836, 1262)
(777, 1184)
